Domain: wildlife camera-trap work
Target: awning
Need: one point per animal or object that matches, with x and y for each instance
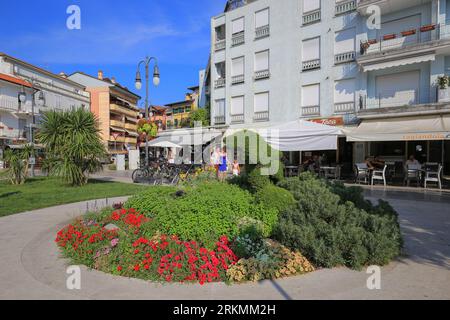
(163, 143)
(299, 135)
(131, 133)
(132, 119)
(398, 62)
(188, 137)
(118, 129)
(402, 129)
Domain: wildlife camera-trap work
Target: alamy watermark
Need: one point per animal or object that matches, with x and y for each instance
(73, 22)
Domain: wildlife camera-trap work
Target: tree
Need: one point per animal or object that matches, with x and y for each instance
(16, 171)
(200, 115)
(73, 145)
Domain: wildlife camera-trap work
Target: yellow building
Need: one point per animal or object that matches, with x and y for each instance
(116, 108)
(178, 113)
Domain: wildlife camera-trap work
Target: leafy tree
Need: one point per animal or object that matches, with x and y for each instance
(199, 115)
(73, 144)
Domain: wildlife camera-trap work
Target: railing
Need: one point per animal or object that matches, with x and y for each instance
(394, 99)
(238, 79)
(262, 32)
(122, 110)
(131, 140)
(262, 74)
(344, 57)
(406, 38)
(311, 111)
(219, 120)
(311, 17)
(345, 7)
(13, 133)
(118, 139)
(219, 83)
(311, 64)
(11, 104)
(344, 107)
(220, 45)
(237, 118)
(238, 39)
(261, 116)
(130, 126)
(117, 123)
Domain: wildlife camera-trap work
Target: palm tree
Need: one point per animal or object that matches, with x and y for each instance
(16, 171)
(74, 146)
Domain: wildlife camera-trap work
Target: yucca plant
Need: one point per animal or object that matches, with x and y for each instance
(16, 171)
(73, 144)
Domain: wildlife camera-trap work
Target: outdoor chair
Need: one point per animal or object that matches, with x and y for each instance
(361, 172)
(379, 175)
(334, 174)
(434, 176)
(412, 172)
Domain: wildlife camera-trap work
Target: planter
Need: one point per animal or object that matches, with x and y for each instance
(389, 37)
(427, 28)
(372, 41)
(409, 33)
(444, 95)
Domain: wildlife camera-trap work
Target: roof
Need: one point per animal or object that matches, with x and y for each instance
(184, 102)
(194, 88)
(46, 72)
(20, 82)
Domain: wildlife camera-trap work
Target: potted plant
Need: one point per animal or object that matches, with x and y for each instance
(443, 92)
(389, 36)
(428, 27)
(407, 33)
(372, 41)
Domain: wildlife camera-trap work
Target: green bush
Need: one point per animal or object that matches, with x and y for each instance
(257, 181)
(204, 212)
(332, 233)
(275, 197)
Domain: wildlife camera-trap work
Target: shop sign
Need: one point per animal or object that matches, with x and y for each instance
(334, 121)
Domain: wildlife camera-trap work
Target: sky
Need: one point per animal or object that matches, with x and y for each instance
(114, 37)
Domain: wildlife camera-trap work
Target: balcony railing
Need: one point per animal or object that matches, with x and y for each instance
(13, 134)
(11, 104)
(219, 83)
(406, 38)
(122, 110)
(390, 100)
(311, 111)
(262, 32)
(237, 39)
(311, 64)
(344, 57)
(219, 120)
(344, 107)
(220, 45)
(237, 118)
(261, 116)
(311, 17)
(262, 74)
(238, 79)
(345, 7)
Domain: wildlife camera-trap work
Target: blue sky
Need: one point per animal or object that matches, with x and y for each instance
(114, 36)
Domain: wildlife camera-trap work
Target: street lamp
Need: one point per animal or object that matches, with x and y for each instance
(138, 84)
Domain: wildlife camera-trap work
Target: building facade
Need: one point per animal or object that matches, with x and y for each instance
(178, 113)
(21, 84)
(325, 61)
(117, 111)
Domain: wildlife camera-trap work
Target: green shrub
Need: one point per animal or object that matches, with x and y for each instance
(331, 232)
(204, 212)
(275, 197)
(257, 181)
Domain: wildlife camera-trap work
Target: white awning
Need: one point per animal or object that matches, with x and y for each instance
(299, 135)
(131, 133)
(163, 142)
(118, 129)
(398, 62)
(402, 129)
(187, 137)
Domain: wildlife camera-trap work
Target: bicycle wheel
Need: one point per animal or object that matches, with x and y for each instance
(139, 175)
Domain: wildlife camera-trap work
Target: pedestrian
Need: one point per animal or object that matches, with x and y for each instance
(236, 168)
(223, 166)
(215, 160)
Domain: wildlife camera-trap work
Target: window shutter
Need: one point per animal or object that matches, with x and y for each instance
(238, 25)
(344, 91)
(220, 107)
(311, 49)
(311, 95)
(345, 41)
(261, 102)
(310, 5)
(262, 61)
(262, 18)
(237, 105)
(238, 66)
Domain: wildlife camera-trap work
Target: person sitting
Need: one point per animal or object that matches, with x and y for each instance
(378, 163)
(412, 161)
(369, 164)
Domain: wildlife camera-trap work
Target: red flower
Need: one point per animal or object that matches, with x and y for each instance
(119, 268)
(137, 267)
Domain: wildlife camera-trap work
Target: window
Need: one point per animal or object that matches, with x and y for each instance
(311, 5)
(262, 61)
(311, 54)
(220, 108)
(344, 96)
(220, 69)
(398, 89)
(311, 95)
(237, 68)
(238, 25)
(261, 102)
(237, 105)
(345, 41)
(262, 18)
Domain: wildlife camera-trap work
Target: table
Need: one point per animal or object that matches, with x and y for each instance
(291, 171)
(328, 171)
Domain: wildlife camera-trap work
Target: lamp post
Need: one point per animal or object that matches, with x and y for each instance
(156, 80)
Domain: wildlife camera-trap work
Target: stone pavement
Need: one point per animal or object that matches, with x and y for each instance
(31, 267)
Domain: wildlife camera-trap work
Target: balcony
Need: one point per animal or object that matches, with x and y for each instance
(345, 7)
(130, 126)
(344, 107)
(345, 57)
(237, 118)
(261, 116)
(311, 111)
(311, 65)
(387, 6)
(220, 45)
(11, 104)
(237, 39)
(219, 120)
(262, 74)
(219, 83)
(262, 32)
(13, 134)
(118, 139)
(130, 140)
(311, 17)
(123, 111)
(389, 100)
(117, 123)
(239, 79)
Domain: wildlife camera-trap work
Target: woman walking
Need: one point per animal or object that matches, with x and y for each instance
(223, 167)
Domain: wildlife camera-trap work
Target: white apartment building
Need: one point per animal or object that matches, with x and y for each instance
(320, 60)
(40, 90)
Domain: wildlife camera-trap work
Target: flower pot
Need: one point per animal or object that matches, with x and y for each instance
(408, 32)
(444, 95)
(389, 37)
(372, 41)
(427, 28)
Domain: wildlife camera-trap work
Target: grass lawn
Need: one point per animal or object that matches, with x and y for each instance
(47, 192)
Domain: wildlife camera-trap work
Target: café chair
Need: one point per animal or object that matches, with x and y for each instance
(434, 176)
(379, 175)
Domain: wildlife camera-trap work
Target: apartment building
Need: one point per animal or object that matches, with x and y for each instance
(178, 113)
(116, 108)
(27, 90)
(321, 60)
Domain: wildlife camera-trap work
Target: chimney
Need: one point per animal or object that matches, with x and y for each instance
(113, 80)
(63, 75)
(100, 74)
